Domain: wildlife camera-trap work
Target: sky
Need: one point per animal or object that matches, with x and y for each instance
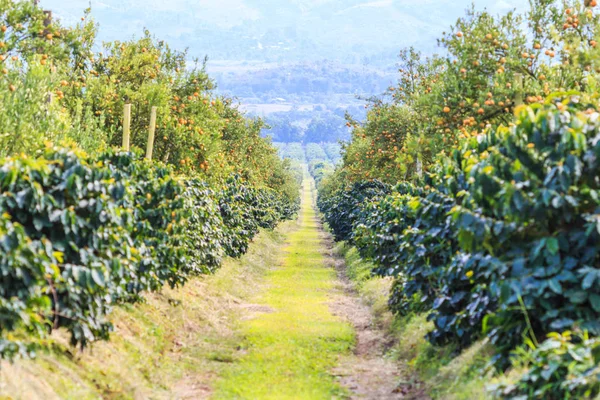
(267, 30)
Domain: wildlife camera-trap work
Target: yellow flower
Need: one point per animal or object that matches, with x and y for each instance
(469, 274)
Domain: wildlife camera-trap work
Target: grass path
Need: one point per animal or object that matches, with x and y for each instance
(292, 348)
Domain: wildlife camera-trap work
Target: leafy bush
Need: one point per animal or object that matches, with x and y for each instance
(80, 234)
(157, 201)
(235, 201)
(80, 254)
(501, 237)
(562, 367)
(204, 230)
(341, 208)
(531, 203)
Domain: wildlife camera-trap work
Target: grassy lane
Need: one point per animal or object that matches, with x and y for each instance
(291, 349)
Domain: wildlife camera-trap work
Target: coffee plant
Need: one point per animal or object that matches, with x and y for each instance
(81, 234)
(492, 152)
(564, 366)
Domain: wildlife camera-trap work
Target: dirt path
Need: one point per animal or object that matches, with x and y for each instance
(368, 373)
(308, 335)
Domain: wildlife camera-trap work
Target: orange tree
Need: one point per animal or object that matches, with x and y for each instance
(491, 64)
(54, 86)
(34, 50)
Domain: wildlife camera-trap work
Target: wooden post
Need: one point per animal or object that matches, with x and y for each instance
(126, 126)
(151, 131)
(519, 90)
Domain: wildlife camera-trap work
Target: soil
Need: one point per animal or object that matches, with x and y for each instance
(368, 373)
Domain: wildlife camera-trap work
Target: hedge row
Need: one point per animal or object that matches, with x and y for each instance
(79, 234)
(501, 239)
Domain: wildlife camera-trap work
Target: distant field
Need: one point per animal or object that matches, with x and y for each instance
(311, 152)
(264, 109)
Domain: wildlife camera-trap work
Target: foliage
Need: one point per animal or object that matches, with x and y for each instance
(491, 65)
(492, 227)
(501, 237)
(342, 208)
(564, 366)
(80, 234)
(79, 256)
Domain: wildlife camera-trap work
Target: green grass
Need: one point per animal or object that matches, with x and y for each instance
(291, 350)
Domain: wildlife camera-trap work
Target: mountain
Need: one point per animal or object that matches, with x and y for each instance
(300, 64)
(350, 31)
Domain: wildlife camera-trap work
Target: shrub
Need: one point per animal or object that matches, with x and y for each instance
(80, 254)
(157, 202)
(341, 208)
(80, 234)
(204, 230)
(235, 202)
(501, 237)
(562, 367)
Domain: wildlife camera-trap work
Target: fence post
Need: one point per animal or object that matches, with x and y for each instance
(151, 131)
(126, 126)
(519, 90)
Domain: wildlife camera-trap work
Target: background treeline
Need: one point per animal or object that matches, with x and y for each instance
(85, 226)
(304, 102)
(303, 82)
(474, 185)
(319, 125)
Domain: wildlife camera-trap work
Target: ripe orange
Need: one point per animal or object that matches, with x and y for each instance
(446, 109)
(12, 88)
(459, 34)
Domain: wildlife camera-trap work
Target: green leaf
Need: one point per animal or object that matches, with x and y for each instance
(555, 286)
(552, 245)
(98, 277)
(595, 302)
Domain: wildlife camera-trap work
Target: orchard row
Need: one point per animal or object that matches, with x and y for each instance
(477, 189)
(84, 226)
